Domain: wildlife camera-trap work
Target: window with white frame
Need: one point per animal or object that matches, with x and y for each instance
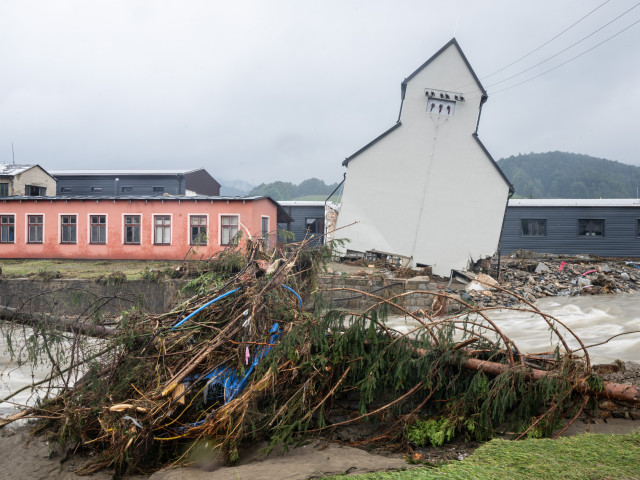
(68, 229)
(35, 229)
(198, 229)
(162, 229)
(7, 228)
(98, 232)
(228, 229)
(132, 229)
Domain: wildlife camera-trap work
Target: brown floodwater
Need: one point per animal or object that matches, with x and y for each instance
(593, 319)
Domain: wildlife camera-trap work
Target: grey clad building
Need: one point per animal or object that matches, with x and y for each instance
(135, 182)
(602, 227)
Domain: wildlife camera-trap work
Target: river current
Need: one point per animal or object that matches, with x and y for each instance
(593, 318)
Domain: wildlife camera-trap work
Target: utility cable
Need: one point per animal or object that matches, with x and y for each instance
(548, 41)
(568, 61)
(539, 47)
(563, 50)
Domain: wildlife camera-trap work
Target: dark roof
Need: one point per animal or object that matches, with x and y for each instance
(454, 42)
(201, 182)
(372, 142)
(121, 173)
(283, 216)
(504, 177)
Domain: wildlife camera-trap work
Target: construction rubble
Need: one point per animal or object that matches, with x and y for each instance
(550, 277)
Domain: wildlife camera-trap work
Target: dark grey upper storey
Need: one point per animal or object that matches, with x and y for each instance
(607, 228)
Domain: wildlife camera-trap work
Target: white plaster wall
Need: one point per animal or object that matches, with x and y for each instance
(430, 162)
(34, 176)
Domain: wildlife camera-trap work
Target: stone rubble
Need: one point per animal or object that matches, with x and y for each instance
(534, 279)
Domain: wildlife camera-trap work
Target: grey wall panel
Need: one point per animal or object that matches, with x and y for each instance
(619, 240)
(139, 184)
(298, 226)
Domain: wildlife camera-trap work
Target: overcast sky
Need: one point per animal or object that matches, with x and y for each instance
(285, 90)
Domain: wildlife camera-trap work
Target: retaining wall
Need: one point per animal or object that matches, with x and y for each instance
(334, 288)
(70, 297)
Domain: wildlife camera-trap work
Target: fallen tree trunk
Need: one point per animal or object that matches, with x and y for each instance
(64, 324)
(613, 391)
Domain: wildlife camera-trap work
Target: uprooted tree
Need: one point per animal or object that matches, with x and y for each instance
(242, 359)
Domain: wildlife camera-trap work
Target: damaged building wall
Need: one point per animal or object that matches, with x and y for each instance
(427, 189)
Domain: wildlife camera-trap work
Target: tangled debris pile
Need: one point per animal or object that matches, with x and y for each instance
(242, 360)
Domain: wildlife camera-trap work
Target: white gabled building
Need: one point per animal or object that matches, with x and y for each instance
(427, 189)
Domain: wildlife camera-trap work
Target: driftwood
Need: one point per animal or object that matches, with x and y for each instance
(613, 391)
(64, 324)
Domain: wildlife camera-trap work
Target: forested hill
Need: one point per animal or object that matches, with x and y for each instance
(569, 175)
(310, 189)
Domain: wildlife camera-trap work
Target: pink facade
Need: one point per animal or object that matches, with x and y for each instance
(159, 228)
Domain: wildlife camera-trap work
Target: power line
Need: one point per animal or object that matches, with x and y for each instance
(568, 61)
(548, 41)
(565, 49)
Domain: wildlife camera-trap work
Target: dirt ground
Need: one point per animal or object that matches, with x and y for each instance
(27, 458)
(24, 457)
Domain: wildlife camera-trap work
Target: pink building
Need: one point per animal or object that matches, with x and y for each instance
(147, 228)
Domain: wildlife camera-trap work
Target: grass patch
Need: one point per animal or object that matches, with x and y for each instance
(586, 456)
(85, 269)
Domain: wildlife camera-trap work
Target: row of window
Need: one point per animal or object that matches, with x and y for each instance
(156, 190)
(587, 227)
(131, 229)
(29, 190)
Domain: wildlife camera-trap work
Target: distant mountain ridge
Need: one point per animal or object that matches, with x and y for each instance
(289, 191)
(234, 187)
(569, 175)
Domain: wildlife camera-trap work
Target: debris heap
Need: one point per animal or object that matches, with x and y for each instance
(242, 360)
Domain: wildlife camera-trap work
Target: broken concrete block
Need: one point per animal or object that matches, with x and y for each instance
(542, 268)
(486, 280)
(625, 276)
(604, 268)
(583, 282)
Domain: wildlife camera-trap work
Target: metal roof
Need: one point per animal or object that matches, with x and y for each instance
(11, 169)
(120, 172)
(283, 216)
(301, 203)
(135, 197)
(574, 202)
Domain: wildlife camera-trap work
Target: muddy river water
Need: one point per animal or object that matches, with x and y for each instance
(593, 318)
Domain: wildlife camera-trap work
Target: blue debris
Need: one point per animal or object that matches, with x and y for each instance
(224, 384)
